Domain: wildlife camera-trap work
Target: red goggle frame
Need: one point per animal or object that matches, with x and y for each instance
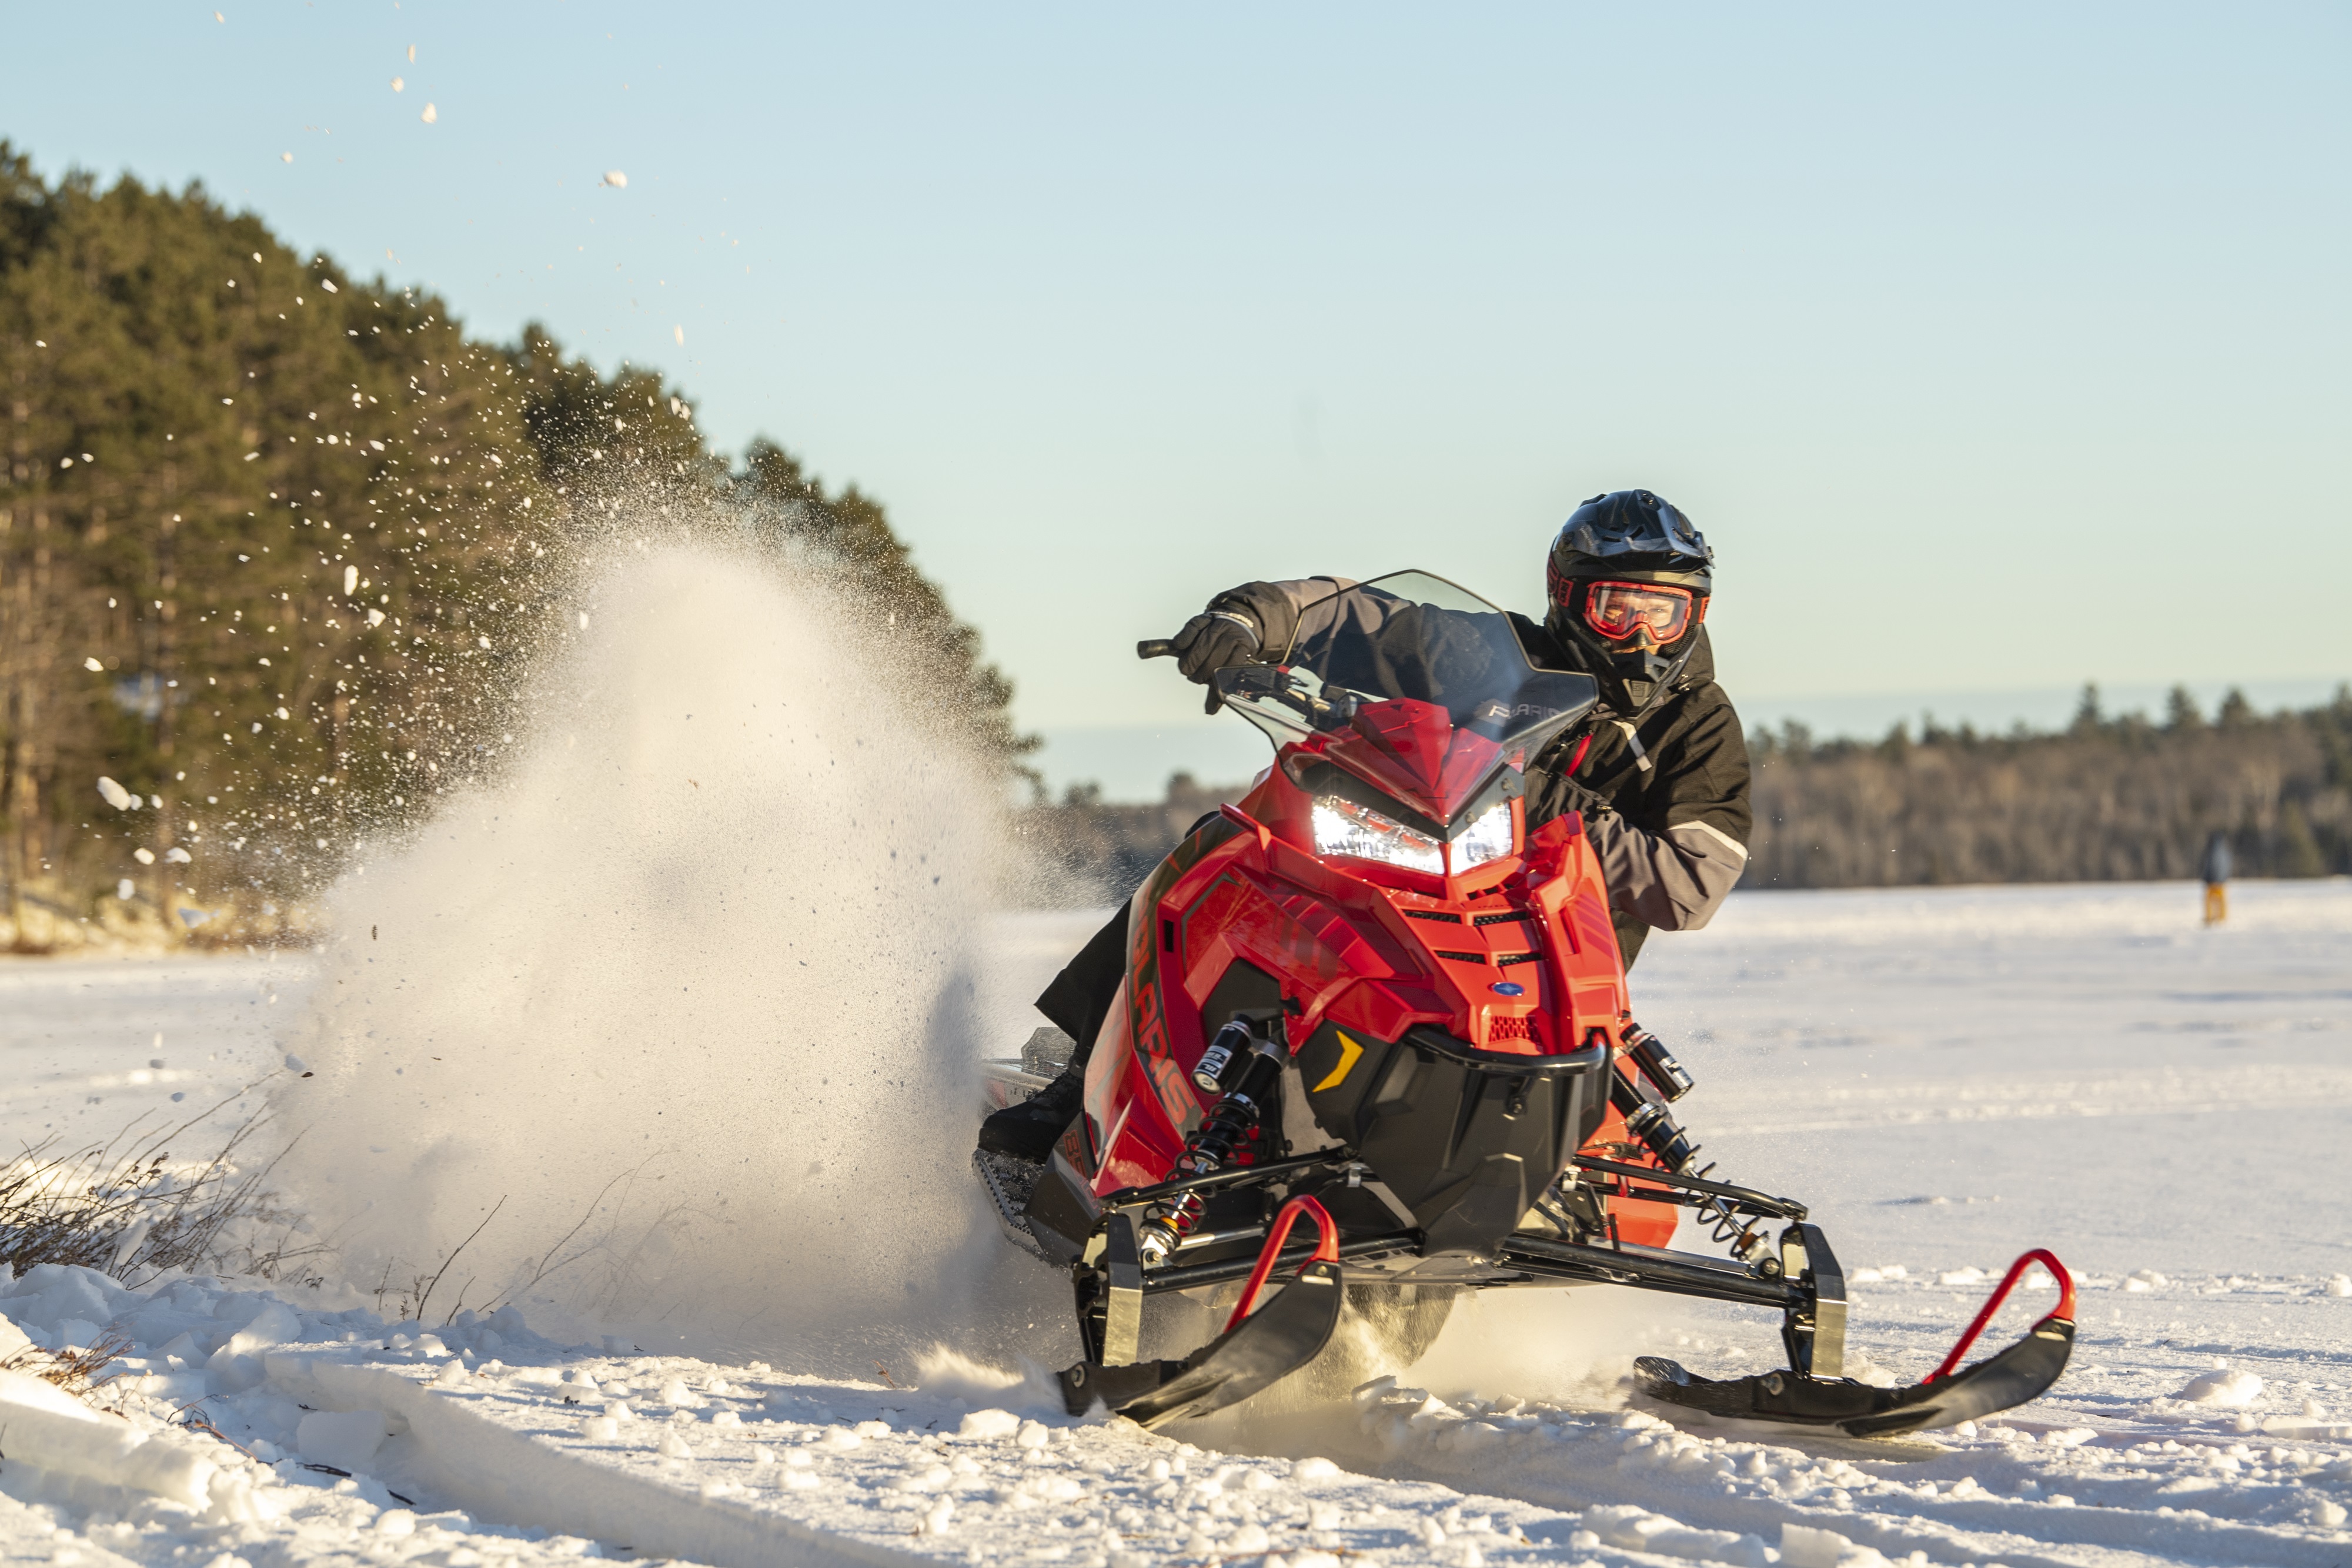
(1619, 611)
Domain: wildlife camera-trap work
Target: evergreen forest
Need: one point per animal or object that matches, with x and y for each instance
(274, 538)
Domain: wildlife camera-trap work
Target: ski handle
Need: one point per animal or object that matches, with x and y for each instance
(1327, 1251)
(2065, 1307)
(1155, 648)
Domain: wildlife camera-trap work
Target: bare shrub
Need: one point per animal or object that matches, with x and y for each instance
(126, 1209)
(74, 1369)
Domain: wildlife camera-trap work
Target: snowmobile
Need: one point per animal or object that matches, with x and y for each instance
(1369, 996)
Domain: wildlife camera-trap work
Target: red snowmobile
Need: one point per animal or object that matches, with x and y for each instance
(1369, 996)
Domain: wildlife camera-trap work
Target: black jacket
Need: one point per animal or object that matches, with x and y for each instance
(1665, 800)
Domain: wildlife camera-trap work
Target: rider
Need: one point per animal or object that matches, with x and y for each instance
(1660, 769)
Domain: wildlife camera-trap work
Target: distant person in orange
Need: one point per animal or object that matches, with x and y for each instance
(2215, 869)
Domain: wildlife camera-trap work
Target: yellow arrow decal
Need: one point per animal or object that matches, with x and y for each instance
(1349, 1052)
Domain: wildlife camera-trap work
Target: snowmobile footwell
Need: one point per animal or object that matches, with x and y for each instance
(1283, 1336)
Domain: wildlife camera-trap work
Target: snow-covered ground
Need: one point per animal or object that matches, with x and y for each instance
(1947, 1076)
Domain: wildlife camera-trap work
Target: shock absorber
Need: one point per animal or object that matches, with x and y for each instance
(1648, 1120)
(1245, 1067)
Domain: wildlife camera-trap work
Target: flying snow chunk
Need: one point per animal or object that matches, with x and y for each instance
(584, 620)
(350, 579)
(295, 1064)
(115, 795)
(285, 157)
(93, 666)
(432, 113)
(680, 333)
(398, 85)
(143, 855)
(283, 713)
(178, 856)
(122, 890)
(615, 179)
(375, 617)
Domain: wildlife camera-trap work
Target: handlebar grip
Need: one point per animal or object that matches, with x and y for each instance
(1155, 648)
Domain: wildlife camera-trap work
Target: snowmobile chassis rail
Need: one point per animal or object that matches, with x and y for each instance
(1131, 1197)
(1186, 1277)
(1651, 1268)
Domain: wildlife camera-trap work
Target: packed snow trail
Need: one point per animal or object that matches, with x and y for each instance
(481, 1437)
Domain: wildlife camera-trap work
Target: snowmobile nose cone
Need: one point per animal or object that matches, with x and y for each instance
(1507, 989)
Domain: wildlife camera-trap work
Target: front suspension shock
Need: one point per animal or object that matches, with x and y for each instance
(1650, 1121)
(1246, 1067)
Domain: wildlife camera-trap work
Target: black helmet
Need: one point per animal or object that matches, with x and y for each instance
(1629, 581)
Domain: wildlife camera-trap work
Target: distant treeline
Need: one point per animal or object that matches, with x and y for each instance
(276, 541)
(2105, 799)
(1106, 847)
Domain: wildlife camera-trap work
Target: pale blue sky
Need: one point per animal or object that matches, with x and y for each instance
(1994, 347)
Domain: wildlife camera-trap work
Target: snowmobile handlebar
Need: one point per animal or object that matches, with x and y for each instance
(1155, 648)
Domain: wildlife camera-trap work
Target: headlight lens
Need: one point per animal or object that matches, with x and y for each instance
(1488, 839)
(1344, 828)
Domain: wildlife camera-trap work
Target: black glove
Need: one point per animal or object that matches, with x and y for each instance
(1211, 641)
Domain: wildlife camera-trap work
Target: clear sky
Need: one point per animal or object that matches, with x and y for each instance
(1993, 345)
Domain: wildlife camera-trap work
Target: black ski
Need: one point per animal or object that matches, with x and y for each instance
(2000, 1382)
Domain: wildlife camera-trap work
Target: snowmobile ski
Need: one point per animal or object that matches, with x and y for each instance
(1256, 1350)
(1289, 1333)
(1946, 1398)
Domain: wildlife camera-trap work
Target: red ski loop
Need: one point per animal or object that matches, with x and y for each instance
(1327, 1251)
(2065, 1307)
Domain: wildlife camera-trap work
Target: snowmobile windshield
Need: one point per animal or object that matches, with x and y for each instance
(1418, 685)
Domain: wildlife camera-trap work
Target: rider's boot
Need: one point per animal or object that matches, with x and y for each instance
(1030, 1130)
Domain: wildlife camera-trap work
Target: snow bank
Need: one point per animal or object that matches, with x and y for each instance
(51, 1430)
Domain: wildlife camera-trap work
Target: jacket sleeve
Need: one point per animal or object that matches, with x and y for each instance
(1671, 864)
(1276, 606)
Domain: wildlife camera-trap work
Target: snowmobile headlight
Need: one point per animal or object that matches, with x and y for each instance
(1344, 828)
(1488, 839)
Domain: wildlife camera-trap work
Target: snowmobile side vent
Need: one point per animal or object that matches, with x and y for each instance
(1504, 917)
(1463, 957)
(1508, 1028)
(1438, 915)
(1505, 960)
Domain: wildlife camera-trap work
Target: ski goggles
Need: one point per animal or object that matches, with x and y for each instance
(1619, 611)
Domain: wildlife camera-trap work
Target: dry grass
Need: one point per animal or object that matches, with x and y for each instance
(74, 1370)
(128, 1210)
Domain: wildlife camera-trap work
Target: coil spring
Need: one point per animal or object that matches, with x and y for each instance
(1665, 1138)
(1167, 1223)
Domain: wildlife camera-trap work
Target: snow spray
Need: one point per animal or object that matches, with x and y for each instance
(667, 1030)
